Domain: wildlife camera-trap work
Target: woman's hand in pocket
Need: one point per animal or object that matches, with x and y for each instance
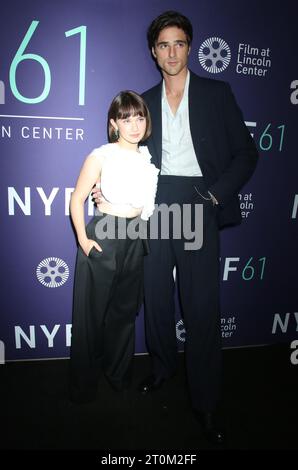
(88, 244)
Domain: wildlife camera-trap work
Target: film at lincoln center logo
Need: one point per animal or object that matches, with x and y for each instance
(214, 55)
(52, 272)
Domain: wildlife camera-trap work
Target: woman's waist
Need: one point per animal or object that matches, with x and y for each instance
(120, 210)
(124, 191)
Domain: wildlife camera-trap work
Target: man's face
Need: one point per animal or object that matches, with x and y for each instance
(171, 50)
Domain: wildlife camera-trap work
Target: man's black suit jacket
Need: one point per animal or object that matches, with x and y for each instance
(223, 145)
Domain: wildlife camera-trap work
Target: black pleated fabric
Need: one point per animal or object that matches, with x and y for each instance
(108, 292)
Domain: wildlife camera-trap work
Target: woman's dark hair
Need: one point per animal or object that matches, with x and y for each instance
(166, 19)
(126, 104)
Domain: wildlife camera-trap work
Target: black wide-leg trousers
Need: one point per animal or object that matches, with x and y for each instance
(108, 292)
(198, 282)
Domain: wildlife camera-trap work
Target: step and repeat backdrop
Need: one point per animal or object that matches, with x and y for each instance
(61, 63)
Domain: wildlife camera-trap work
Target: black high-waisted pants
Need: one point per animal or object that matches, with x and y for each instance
(198, 283)
(108, 291)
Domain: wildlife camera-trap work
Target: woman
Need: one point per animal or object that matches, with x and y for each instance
(109, 266)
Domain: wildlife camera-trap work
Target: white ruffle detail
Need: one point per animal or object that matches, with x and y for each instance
(151, 189)
(128, 177)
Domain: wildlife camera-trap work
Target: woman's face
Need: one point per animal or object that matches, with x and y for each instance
(131, 130)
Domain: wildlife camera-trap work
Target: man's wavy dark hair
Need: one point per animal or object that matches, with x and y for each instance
(166, 19)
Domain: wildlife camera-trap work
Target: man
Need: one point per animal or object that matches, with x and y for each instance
(206, 155)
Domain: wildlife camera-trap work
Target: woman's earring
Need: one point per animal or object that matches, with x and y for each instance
(116, 132)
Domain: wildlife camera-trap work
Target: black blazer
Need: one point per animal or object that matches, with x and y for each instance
(225, 150)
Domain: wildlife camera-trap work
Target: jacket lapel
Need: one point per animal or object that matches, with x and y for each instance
(196, 119)
(155, 110)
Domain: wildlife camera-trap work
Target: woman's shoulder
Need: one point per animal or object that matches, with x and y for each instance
(103, 150)
(145, 152)
(147, 156)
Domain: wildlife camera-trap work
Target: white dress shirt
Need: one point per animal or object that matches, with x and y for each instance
(178, 154)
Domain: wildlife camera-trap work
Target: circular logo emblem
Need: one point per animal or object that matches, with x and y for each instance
(214, 55)
(180, 331)
(52, 272)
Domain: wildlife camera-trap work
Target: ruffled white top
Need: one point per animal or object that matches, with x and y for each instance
(128, 177)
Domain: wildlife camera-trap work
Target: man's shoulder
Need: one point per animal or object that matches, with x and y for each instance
(210, 83)
(195, 80)
(151, 92)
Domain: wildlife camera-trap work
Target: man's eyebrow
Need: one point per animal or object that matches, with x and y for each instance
(168, 42)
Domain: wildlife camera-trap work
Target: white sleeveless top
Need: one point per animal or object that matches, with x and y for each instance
(128, 177)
